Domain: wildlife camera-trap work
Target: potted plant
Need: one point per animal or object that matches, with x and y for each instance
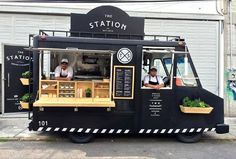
(25, 77)
(24, 100)
(88, 92)
(195, 106)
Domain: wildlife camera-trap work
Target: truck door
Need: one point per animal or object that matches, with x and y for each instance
(186, 81)
(156, 103)
(186, 84)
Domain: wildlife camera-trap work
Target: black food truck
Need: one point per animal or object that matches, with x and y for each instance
(110, 91)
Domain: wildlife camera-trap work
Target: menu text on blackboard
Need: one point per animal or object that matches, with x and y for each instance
(123, 82)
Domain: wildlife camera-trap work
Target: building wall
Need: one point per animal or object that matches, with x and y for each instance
(229, 93)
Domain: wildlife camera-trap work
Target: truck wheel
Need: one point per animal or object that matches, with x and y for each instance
(189, 137)
(80, 137)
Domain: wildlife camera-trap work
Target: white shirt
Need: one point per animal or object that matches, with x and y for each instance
(68, 72)
(148, 78)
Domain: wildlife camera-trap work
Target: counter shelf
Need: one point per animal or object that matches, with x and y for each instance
(56, 93)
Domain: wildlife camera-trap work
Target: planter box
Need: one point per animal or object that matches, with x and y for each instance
(24, 105)
(196, 110)
(24, 81)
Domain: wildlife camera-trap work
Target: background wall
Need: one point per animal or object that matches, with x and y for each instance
(200, 27)
(230, 32)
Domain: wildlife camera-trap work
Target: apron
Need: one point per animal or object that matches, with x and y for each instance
(62, 75)
(153, 83)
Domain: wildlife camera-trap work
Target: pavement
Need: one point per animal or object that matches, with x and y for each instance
(14, 127)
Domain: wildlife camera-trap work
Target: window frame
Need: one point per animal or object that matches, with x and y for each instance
(170, 75)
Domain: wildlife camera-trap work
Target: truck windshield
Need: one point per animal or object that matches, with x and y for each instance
(184, 73)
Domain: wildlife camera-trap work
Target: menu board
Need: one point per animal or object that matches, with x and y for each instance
(123, 82)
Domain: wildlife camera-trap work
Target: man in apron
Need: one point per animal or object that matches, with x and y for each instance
(63, 71)
(153, 80)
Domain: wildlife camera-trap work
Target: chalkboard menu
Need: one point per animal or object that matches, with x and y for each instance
(123, 82)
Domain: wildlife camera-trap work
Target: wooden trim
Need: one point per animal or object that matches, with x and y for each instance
(71, 102)
(114, 78)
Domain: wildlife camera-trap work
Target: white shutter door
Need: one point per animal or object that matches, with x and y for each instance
(202, 40)
(15, 28)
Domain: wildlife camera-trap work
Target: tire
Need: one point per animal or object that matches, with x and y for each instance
(189, 137)
(80, 137)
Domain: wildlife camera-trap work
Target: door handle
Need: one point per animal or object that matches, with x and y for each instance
(8, 79)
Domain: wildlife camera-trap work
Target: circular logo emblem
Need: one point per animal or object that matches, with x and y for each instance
(124, 55)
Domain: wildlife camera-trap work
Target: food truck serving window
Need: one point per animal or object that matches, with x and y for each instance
(89, 86)
(162, 61)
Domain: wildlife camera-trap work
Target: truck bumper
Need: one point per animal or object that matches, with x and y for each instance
(222, 128)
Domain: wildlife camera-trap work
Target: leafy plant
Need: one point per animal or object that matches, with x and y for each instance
(187, 102)
(26, 74)
(26, 98)
(88, 92)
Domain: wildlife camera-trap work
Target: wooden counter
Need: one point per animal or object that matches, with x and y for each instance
(54, 93)
(78, 102)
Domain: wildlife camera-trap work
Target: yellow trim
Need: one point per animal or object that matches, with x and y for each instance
(114, 79)
(74, 102)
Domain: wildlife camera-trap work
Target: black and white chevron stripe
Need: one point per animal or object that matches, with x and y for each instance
(174, 131)
(125, 131)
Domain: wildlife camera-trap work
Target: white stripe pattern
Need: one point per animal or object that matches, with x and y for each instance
(111, 131)
(148, 131)
(126, 131)
(184, 130)
(163, 131)
(177, 131)
(213, 129)
(48, 129)
(72, 129)
(88, 130)
(40, 128)
(155, 131)
(141, 131)
(103, 131)
(64, 129)
(191, 130)
(57, 129)
(95, 131)
(206, 129)
(170, 131)
(119, 131)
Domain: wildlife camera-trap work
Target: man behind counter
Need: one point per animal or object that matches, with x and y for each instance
(153, 80)
(63, 71)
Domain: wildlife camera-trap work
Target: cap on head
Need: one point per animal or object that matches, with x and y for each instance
(64, 61)
(153, 68)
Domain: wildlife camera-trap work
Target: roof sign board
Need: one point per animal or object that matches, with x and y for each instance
(107, 20)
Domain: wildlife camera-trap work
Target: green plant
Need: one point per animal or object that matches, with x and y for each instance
(43, 77)
(26, 97)
(26, 74)
(187, 102)
(88, 92)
